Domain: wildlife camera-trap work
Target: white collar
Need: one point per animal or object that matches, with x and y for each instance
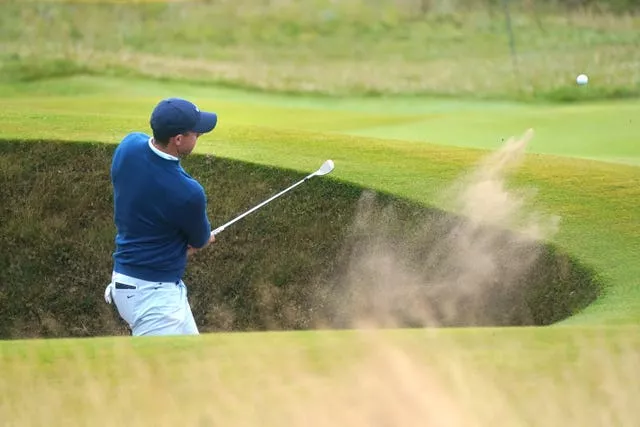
(161, 153)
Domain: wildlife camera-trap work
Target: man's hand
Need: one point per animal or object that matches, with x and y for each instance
(191, 250)
(212, 239)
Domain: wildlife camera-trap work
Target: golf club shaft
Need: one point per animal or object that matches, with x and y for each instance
(222, 227)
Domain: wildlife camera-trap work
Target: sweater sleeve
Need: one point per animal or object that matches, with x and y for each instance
(194, 221)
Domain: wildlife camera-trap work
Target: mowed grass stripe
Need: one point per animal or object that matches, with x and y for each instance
(606, 131)
(35, 113)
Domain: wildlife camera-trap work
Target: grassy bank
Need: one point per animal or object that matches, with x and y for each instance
(295, 265)
(350, 47)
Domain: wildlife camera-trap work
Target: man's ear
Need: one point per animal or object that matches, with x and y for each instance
(177, 140)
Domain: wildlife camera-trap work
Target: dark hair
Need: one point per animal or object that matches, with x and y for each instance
(161, 140)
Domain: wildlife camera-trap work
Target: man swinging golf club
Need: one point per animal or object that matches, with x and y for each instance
(160, 213)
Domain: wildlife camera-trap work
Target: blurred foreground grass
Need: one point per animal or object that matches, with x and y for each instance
(472, 377)
(321, 46)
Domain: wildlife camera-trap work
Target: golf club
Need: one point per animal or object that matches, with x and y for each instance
(326, 168)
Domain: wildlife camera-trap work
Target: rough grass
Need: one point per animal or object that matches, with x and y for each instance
(481, 377)
(280, 269)
(333, 47)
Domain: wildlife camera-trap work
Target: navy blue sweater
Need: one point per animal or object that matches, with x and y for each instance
(158, 210)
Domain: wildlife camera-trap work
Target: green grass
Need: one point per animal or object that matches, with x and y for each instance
(452, 377)
(347, 47)
(574, 130)
(567, 130)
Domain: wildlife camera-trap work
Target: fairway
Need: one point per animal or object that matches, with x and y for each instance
(598, 130)
(386, 93)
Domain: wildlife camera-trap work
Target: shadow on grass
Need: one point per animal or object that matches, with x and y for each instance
(287, 266)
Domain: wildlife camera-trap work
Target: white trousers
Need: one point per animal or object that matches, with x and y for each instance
(152, 308)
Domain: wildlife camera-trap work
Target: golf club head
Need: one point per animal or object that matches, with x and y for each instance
(326, 168)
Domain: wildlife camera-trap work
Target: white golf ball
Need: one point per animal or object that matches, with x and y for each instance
(582, 79)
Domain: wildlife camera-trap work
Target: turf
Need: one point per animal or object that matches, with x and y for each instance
(574, 130)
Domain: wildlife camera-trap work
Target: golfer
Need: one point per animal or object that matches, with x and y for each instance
(160, 214)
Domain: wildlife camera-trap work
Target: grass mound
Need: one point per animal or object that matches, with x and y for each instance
(327, 254)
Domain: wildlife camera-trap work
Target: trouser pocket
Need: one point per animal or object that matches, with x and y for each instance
(125, 298)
